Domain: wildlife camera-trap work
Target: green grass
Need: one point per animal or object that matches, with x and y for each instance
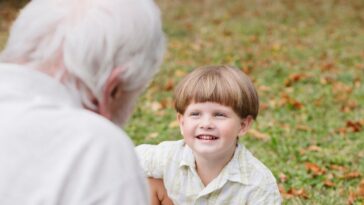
(322, 42)
(319, 40)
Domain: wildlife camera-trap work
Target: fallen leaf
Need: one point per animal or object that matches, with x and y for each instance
(351, 198)
(349, 106)
(283, 192)
(293, 78)
(314, 169)
(314, 148)
(298, 193)
(326, 80)
(327, 66)
(303, 127)
(258, 135)
(169, 85)
(355, 126)
(286, 99)
(329, 183)
(263, 106)
(361, 189)
(339, 88)
(337, 167)
(351, 175)
(166, 102)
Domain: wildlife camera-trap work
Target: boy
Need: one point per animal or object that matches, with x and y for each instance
(215, 105)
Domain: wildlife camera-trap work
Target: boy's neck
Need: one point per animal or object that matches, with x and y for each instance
(209, 168)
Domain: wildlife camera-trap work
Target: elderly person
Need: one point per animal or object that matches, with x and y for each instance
(69, 69)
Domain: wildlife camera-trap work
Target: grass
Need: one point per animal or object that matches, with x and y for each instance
(306, 59)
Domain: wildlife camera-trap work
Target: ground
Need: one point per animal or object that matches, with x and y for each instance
(306, 60)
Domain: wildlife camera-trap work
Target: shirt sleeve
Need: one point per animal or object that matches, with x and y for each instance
(153, 159)
(268, 195)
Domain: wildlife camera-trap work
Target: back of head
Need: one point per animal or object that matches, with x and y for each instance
(221, 84)
(89, 38)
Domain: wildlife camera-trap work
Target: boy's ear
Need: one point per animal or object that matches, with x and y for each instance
(245, 125)
(180, 122)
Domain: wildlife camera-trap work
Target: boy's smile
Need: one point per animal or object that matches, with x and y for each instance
(206, 137)
(211, 129)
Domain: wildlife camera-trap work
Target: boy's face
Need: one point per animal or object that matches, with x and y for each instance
(211, 129)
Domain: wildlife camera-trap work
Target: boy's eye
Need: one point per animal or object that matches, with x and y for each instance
(194, 114)
(219, 114)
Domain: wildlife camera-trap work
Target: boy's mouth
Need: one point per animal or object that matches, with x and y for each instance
(206, 137)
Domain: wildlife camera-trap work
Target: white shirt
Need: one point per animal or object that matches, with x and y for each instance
(54, 152)
(244, 180)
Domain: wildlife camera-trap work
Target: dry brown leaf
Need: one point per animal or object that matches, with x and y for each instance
(351, 198)
(313, 148)
(283, 192)
(298, 193)
(263, 106)
(329, 183)
(303, 127)
(338, 167)
(314, 169)
(286, 99)
(327, 66)
(351, 175)
(354, 126)
(361, 189)
(340, 87)
(293, 78)
(169, 85)
(349, 106)
(166, 102)
(258, 135)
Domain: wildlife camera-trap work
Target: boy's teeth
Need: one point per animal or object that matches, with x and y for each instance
(206, 137)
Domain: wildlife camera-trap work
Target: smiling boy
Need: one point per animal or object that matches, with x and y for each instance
(215, 105)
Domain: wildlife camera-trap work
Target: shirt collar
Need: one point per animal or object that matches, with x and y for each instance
(20, 81)
(236, 170)
(188, 160)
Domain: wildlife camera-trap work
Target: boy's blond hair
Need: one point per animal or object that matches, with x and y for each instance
(221, 84)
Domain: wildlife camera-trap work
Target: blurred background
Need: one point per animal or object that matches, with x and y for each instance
(306, 59)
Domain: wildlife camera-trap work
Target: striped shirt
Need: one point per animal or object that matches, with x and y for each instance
(243, 181)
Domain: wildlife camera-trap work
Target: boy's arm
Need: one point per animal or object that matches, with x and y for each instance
(151, 158)
(158, 193)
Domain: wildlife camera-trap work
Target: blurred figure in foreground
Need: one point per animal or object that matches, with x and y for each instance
(70, 69)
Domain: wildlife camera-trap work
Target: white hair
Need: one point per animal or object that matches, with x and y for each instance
(91, 37)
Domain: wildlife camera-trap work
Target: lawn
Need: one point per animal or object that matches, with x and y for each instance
(306, 59)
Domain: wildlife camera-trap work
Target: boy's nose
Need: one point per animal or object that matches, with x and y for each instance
(206, 123)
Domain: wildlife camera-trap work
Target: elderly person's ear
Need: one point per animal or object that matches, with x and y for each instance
(117, 104)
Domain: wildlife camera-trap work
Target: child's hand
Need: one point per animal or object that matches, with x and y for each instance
(158, 192)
